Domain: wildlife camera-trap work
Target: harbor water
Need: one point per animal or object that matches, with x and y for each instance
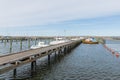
(85, 62)
(113, 44)
(17, 46)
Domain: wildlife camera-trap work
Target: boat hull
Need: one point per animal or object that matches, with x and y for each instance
(89, 42)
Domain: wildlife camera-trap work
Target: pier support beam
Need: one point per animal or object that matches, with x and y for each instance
(55, 54)
(33, 66)
(5, 42)
(65, 50)
(35, 41)
(48, 58)
(2, 41)
(15, 72)
(11, 45)
(28, 43)
(20, 44)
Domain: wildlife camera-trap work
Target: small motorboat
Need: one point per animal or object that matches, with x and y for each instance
(39, 45)
(90, 41)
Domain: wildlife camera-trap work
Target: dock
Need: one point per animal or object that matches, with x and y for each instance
(14, 60)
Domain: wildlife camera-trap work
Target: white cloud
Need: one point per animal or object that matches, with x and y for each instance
(39, 12)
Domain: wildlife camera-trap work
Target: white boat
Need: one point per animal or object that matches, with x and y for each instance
(58, 41)
(39, 45)
(78, 38)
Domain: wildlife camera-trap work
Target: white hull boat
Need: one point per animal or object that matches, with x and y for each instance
(39, 45)
(58, 41)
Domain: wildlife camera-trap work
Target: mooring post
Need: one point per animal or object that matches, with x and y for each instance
(10, 45)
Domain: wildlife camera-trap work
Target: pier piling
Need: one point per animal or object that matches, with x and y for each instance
(48, 58)
(21, 44)
(14, 72)
(11, 45)
(33, 66)
(28, 43)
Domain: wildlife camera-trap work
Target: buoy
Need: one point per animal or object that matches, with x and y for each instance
(113, 52)
(117, 55)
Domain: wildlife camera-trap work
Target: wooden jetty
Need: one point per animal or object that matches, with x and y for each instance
(18, 59)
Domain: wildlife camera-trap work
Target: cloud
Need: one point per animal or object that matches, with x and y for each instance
(42, 12)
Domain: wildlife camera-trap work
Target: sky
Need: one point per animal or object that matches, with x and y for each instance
(60, 17)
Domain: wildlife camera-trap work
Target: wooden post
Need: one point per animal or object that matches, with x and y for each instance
(32, 66)
(65, 50)
(48, 58)
(5, 42)
(55, 54)
(69, 48)
(2, 40)
(21, 44)
(28, 43)
(10, 45)
(35, 41)
(59, 52)
(35, 64)
(14, 72)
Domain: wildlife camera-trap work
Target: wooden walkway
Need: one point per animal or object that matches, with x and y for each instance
(19, 58)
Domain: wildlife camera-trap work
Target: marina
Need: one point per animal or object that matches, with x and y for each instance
(59, 40)
(83, 62)
(15, 60)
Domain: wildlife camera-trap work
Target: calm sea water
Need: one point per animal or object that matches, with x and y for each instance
(113, 44)
(86, 62)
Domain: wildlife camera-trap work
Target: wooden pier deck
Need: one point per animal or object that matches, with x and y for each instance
(21, 58)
